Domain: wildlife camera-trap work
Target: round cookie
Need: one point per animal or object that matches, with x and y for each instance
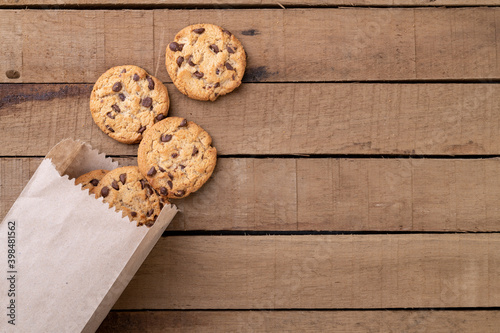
(176, 157)
(126, 100)
(126, 189)
(90, 180)
(205, 61)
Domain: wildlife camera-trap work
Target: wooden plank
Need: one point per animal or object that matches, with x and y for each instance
(257, 3)
(328, 272)
(302, 321)
(10, 57)
(433, 51)
(327, 118)
(341, 44)
(325, 194)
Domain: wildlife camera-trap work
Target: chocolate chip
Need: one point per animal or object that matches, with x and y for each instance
(195, 151)
(183, 123)
(150, 212)
(124, 70)
(114, 185)
(174, 155)
(214, 48)
(117, 87)
(163, 191)
(230, 49)
(161, 169)
(226, 32)
(169, 183)
(94, 182)
(233, 77)
(161, 206)
(115, 107)
(151, 83)
(217, 71)
(110, 129)
(199, 30)
(135, 77)
(104, 191)
(179, 61)
(122, 96)
(160, 116)
(182, 166)
(173, 46)
(110, 115)
(142, 129)
(143, 183)
(147, 102)
(180, 193)
(134, 214)
(228, 66)
(123, 178)
(217, 85)
(190, 61)
(149, 190)
(199, 75)
(165, 137)
(152, 171)
(170, 176)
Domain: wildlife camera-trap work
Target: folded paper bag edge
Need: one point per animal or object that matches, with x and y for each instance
(63, 154)
(67, 152)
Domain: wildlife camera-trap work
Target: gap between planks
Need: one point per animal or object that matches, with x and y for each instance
(302, 321)
(281, 4)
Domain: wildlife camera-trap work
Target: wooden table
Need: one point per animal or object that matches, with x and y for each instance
(358, 181)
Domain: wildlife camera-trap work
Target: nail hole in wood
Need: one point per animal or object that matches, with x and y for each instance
(12, 74)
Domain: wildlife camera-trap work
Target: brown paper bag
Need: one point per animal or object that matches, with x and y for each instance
(67, 256)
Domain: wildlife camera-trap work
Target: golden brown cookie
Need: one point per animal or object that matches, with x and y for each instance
(126, 189)
(176, 157)
(91, 179)
(205, 61)
(126, 100)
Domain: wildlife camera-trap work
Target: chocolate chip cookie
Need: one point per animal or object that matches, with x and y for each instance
(91, 179)
(126, 189)
(176, 157)
(205, 61)
(126, 100)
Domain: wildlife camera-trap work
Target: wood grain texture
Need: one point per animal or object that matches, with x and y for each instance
(336, 44)
(325, 194)
(302, 321)
(307, 272)
(312, 118)
(253, 3)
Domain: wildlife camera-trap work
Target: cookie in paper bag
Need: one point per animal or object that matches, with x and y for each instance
(90, 180)
(127, 190)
